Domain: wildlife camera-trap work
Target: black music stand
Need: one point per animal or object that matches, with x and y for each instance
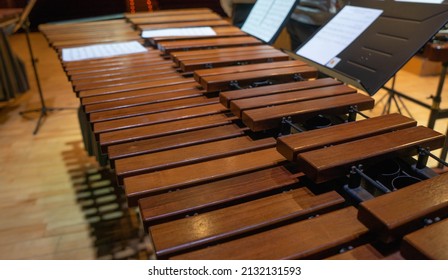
(386, 45)
(24, 24)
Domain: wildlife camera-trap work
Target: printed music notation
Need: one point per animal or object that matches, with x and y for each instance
(266, 18)
(101, 50)
(338, 34)
(177, 32)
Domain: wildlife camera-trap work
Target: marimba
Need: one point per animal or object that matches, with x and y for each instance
(233, 151)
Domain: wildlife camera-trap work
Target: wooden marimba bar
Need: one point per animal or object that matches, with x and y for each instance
(198, 133)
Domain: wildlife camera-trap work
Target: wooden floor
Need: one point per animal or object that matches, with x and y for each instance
(55, 202)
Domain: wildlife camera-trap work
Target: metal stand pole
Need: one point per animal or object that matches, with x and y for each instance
(43, 109)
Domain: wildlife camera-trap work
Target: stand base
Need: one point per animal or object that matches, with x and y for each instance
(43, 113)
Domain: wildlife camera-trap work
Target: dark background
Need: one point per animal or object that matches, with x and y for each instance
(60, 10)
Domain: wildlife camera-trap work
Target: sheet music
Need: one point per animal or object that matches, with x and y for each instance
(102, 50)
(338, 34)
(266, 18)
(175, 32)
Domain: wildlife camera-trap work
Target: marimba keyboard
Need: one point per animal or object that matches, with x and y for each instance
(209, 158)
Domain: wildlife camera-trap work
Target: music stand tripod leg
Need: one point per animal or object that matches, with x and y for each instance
(43, 109)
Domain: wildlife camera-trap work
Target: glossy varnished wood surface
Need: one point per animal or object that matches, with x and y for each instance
(318, 236)
(139, 78)
(168, 206)
(177, 18)
(116, 78)
(220, 31)
(177, 57)
(240, 105)
(199, 75)
(168, 47)
(142, 109)
(363, 252)
(244, 79)
(239, 219)
(139, 186)
(393, 215)
(202, 23)
(226, 97)
(231, 60)
(189, 155)
(430, 243)
(291, 145)
(270, 117)
(174, 141)
(157, 64)
(329, 163)
(121, 60)
(436, 52)
(123, 88)
(151, 119)
(151, 93)
(161, 129)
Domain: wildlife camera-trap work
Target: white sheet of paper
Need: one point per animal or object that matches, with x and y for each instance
(175, 32)
(266, 18)
(423, 1)
(338, 33)
(102, 50)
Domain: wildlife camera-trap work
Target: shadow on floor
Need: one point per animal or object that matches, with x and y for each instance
(115, 229)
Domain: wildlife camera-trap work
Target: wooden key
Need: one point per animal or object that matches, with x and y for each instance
(238, 106)
(188, 155)
(211, 227)
(335, 161)
(162, 106)
(395, 214)
(177, 57)
(278, 75)
(173, 141)
(153, 95)
(363, 252)
(226, 97)
(161, 129)
(212, 195)
(270, 117)
(177, 18)
(141, 78)
(159, 64)
(429, 243)
(291, 145)
(194, 44)
(123, 60)
(220, 31)
(91, 41)
(150, 55)
(199, 75)
(48, 28)
(308, 239)
(111, 73)
(137, 187)
(231, 60)
(151, 119)
(202, 23)
(124, 88)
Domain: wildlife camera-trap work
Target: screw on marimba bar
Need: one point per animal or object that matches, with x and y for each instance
(298, 78)
(423, 156)
(352, 113)
(354, 178)
(234, 85)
